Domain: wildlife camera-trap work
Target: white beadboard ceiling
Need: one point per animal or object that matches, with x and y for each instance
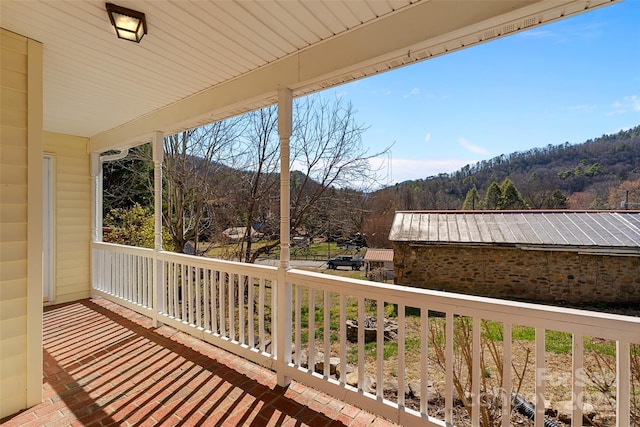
(206, 60)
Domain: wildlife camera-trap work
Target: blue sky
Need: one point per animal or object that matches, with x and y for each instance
(571, 80)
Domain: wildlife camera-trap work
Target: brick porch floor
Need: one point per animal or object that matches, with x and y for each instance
(105, 365)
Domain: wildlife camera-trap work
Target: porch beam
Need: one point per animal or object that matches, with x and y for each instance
(284, 305)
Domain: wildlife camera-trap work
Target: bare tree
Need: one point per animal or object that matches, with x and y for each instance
(193, 158)
(259, 161)
(326, 152)
(227, 174)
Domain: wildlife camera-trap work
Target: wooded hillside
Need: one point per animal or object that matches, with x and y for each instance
(593, 175)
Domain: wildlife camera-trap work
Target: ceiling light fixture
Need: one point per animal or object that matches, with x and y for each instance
(129, 24)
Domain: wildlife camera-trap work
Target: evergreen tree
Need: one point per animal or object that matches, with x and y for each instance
(510, 197)
(472, 200)
(492, 197)
(557, 200)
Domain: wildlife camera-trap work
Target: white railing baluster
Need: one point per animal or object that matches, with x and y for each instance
(312, 329)
(146, 301)
(131, 272)
(261, 299)
(232, 311)
(361, 373)
(162, 283)
(577, 375)
(117, 268)
(326, 295)
(206, 298)
(167, 287)
(401, 359)
(120, 272)
(448, 372)
(507, 385)
(241, 289)
(424, 360)
(140, 285)
(191, 286)
(251, 312)
(540, 376)
(298, 324)
(274, 305)
(222, 285)
(343, 339)
(214, 300)
(183, 294)
(476, 373)
(380, 349)
(197, 272)
(623, 383)
(176, 288)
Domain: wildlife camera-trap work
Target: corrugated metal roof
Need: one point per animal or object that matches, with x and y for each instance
(595, 229)
(379, 255)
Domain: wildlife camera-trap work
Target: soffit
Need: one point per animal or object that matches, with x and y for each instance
(207, 60)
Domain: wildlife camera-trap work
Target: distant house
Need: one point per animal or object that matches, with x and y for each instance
(380, 263)
(553, 256)
(237, 234)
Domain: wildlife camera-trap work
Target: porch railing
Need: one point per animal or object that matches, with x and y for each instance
(440, 346)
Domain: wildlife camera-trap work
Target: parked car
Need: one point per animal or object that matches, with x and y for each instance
(345, 261)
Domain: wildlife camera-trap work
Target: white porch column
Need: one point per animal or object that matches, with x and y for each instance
(158, 279)
(96, 198)
(283, 313)
(96, 216)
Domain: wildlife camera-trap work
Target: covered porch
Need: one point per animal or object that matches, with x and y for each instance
(72, 95)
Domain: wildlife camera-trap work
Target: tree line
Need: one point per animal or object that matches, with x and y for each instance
(226, 175)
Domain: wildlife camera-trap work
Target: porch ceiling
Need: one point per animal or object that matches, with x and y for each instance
(207, 60)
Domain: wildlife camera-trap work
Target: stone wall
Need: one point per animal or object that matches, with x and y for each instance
(512, 273)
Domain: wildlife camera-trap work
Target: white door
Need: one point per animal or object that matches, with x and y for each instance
(48, 272)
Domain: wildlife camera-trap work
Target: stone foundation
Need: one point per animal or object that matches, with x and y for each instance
(512, 273)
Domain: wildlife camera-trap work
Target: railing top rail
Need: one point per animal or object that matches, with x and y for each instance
(122, 248)
(268, 272)
(603, 325)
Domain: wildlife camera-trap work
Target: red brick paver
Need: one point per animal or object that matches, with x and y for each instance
(105, 365)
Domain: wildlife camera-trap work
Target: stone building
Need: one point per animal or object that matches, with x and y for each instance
(551, 256)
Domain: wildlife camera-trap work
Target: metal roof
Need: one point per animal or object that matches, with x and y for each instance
(593, 230)
(379, 255)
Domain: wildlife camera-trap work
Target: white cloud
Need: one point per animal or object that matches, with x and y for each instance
(472, 148)
(414, 91)
(626, 105)
(427, 138)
